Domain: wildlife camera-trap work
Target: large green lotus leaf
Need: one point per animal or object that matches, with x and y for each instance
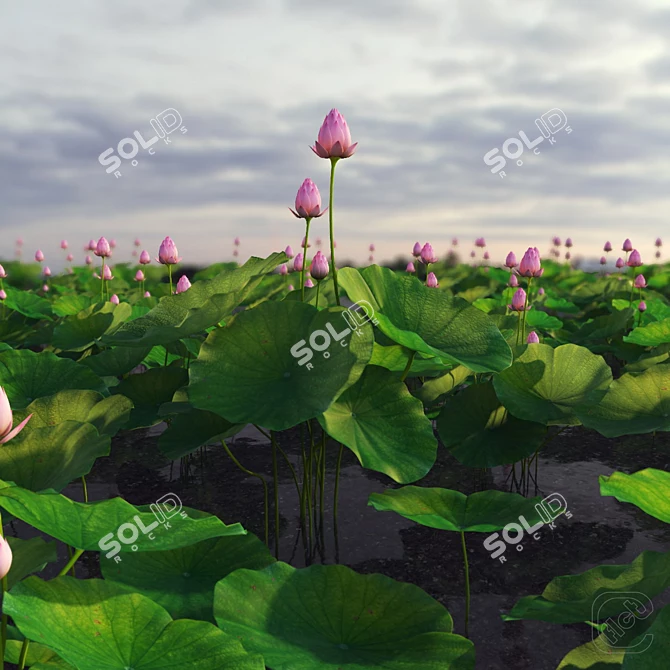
(432, 390)
(659, 354)
(603, 327)
(561, 305)
(546, 384)
(395, 358)
(82, 330)
(481, 433)
(116, 361)
(633, 404)
(108, 415)
(205, 304)
(53, 456)
(183, 580)
(192, 429)
(69, 305)
(29, 556)
(148, 391)
(650, 335)
(95, 625)
(445, 509)
(541, 320)
(28, 304)
(648, 489)
(384, 425)
(251, 360)
(38, 657)
(84, 525)
(26, 376)
(651, 649)
(598, 593)
(428, 321)
(328, 617)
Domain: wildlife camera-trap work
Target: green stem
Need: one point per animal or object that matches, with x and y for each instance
(525, 309)
(70, 564)
(102, 281)
(408, 366)
(467, 583)
(323, 476)
(83, 483)
(170, 276)
(333, 162)
(308, 220)
(337, 480)
(275, 478)
(24, 653)
(318, 286)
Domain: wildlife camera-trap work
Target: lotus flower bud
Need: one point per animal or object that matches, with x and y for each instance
(427, 254)
(607, 247)
(183, 284)
(297, 262)
(658, 242)
(102, 248)
(47, 271)
(134, 254)
(3, 295)
(107, 273)
(567, 256)
(530, 263)
(541, 292)
(236, 241)
(112, 244)
(289, 252)
(603, 260)
(3, 274)
(283, 270)
(5, 557)
(63, 244)
(518, 300)
(39, 256)
(308, 201)
(513, 281)
(454, 242)
(291, 287)
(235, 253)
(302, 244)
(145, 258)
(318, 241)
(557, 241)
(640, 282)
(416, 251)
(319, 267)
(619, 263)
(168, 254)
(114, 299)
(568, 242)
(147, 294)
(410, 267)
(431, 280)
(657, 254)
(642, 306)
(19, 241)
(480, 242)
(634, 260)
(69, 258)
(627, 245)
(472, 254)
(89, 260)
(92, 244)
(487, 256)
(45, 288)
(510, 261)
(309, 283)
(371, 258)
(139, 275)
(371, 247)
(137, 242)
(334, 140)
(532, 338)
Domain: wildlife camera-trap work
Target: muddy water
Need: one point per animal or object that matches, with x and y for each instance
(601, 530)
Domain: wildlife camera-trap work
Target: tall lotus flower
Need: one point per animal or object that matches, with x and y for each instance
(308, 201)
(102, 248)
(634, 260)
(183, 284)
(619, 263)
(533, 338)
(410, 267)
(5, 557)
(334, 140)
(3, 274)
(640, 282)
(513, 281)
(137, 242)
(7, 418)
(139, 275)
(603, 260)
(530, 263)
(3, 295)
(510, 261)
(89, 260)
(519, 301)
(627, 245)
(416, 251)
(289, 252)
(319, 267)
(145, 258)
(480, 242)
(642, 306)
(658, 242)
(371, 247)
(607, 247)
(297, 263)
(168, 254)
(283, 270)
(47, 271)
(568, 242)
(69, 258)
(309, 283)
(427, 254)
(107, 273)
(63, 244)
(39, 256)
(431, 280)
(114, 299)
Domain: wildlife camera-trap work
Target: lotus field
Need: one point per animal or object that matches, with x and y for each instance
(183, 453)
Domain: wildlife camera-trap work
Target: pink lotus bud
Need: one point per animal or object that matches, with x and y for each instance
(532, 338)
(541, 292)
(19, 241)
(168, 254)
(557, 241)
(510, 261)
(513, 281)
(371, 258)
(319, 267)
(416, 251)
(283, 270)
(487, 256)
(137, 242)
(318, 241)
(454, 242)
(427, 254)
(371, 247)
(235, 253)
(431, 280)
(3, 274)
(657, 254)
(145, 258)
(308, 201)
(69, 271)
(289, 252)
(634, 260)
(134, 254)
(334, 139)
(102, 248)
(627, 245)
(410, 267)
(607, 247)
(39, 256)
(139, 275)
(107, 273)
(309, 283)
(530, 263)
(147, 294)
(480, 242)
(236, 241)
(89, 260)
(291, 287)
(518, 300)
(302, 244)
(114, 299)
(619, 263)
(183, 284)
(642, 306)
(112, 244)
(472, 254)
(567, 256)
(92, 244)
(45, 288)
(63, 244)
(5, 557)
(297, 262)
(47, 271)
(568, 242)
(658, 242)
(69, 258)
(640, 282)
(3, 295)
(603, 260)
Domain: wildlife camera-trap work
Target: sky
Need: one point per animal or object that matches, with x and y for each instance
(428, 89)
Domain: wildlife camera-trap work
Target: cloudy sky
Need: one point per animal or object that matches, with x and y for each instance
(427, 87)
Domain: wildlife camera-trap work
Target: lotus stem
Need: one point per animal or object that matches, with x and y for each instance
(467, 584)
(408, 366)
(323, 479)
(85, 488)
(333, 162)
(525, 310)
(318, 286)
(70, 564)
(24, 653)
(308, 220)
(102, 280)
(170, 277)
(275, 479)
(337, 481)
